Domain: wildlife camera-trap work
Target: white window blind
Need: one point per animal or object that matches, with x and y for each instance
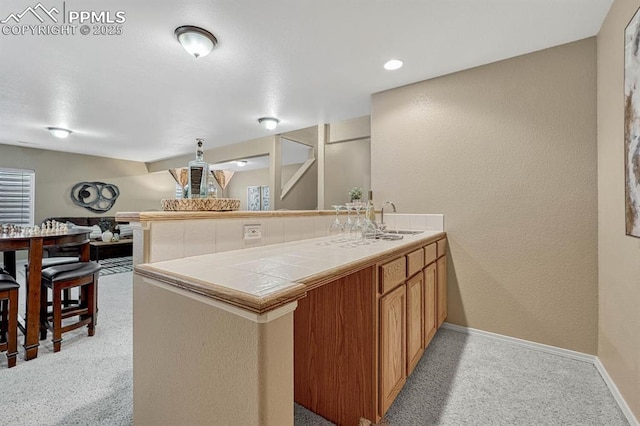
(178, 192)
(17, 196)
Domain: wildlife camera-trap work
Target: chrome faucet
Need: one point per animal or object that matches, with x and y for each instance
(382, 212)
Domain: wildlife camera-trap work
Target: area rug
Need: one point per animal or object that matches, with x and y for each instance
(116, 265)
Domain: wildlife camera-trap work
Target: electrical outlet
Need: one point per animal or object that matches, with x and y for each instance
(253, 232)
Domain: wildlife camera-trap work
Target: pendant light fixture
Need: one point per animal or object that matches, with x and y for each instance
(195, 40)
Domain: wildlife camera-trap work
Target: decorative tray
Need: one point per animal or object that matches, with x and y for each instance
(200, 204)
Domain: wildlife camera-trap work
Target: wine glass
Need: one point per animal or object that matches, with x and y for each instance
(336, 229)
(348, 225)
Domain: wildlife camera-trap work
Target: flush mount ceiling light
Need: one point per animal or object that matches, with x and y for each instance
(241, 163)
(59, 132)
(195, 40)
(393, 64)
(269, 123)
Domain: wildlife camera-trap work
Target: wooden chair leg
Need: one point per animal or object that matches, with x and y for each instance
(12, 334)
(95, 298)
(91, 306)
(66, 299)
(43, 313)
(57, 319)
(4, 323)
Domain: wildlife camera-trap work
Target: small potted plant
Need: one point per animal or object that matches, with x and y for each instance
(355, 194)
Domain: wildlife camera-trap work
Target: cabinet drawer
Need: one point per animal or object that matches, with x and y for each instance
(415, 262)
(430, 253)
(442, 247)
(392, 274)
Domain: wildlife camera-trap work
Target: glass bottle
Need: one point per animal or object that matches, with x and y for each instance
(198, 172)
(371, 212)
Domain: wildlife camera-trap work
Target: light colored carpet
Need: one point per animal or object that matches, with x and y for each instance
(475, 380)
(461, 380)
(89, 382)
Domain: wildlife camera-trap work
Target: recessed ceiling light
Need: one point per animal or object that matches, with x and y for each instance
(269, 123)
(59, 132)
(195, 40)
(241, 163)
(393, 64)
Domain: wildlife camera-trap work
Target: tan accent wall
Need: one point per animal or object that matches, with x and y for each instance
(301, 197)
(57, 172)
(618, 255)
(507, 151)
(206, 366)
(347, 164)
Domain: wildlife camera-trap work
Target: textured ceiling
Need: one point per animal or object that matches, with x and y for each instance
(140, 96)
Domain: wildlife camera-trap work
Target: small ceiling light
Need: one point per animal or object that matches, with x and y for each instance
(393, 64)
(59, 132)
(241, 163)
(195, 40)
(269, 123)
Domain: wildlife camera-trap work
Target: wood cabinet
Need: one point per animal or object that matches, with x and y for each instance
(430, 303)
(442, 288)
(415, 322)
(358, 338)
(392, 346)
(335, 348)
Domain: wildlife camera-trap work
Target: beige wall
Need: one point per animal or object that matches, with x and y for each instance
(347, 164)
(619, 268)
(221, 154)
(301, 197)
(507, 152)
(58, 172)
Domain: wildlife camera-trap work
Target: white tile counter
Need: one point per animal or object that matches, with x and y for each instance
(264, 278)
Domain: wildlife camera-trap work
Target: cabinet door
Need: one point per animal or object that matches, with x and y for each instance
(415, 332)
(442, 289)
(430, 303)
(392, 346)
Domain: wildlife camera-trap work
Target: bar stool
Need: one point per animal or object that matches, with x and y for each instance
(54, 261)
(9, 316)
(59, 278)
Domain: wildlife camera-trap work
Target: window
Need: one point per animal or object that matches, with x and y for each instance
(179, 191)
(17, 195)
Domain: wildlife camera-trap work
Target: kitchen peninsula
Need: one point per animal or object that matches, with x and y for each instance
(233, 337)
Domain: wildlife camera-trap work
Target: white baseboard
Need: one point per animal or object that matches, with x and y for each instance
(578, 356)
(616, 394)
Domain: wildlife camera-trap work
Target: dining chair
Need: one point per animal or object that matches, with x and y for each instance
(9, 316)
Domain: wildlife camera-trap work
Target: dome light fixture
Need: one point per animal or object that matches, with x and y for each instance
(59, 132)
(241, 163)
(393, 64)
(195, 40)
(269, 123)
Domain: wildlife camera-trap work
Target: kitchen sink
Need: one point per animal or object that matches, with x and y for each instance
(402, 232)
(388, 237)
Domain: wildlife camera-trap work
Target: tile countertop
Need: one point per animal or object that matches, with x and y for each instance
(262, 279)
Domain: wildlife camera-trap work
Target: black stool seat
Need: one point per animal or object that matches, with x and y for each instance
(53, 261)
(9, 316)
(8, 285)
(7, 282)
(70, 271)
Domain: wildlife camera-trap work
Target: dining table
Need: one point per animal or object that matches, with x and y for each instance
(35, 245)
